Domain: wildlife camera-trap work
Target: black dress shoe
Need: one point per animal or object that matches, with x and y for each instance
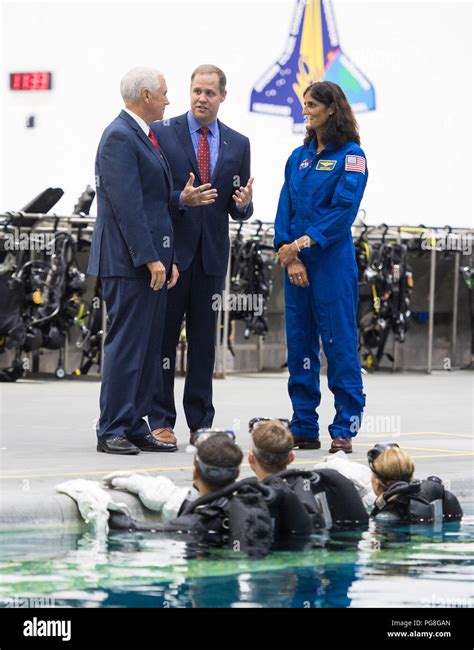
(117, 445)
(149, 443)
(306, 443)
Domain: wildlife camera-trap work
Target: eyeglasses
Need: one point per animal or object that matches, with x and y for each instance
(255, 422)
(204, 434)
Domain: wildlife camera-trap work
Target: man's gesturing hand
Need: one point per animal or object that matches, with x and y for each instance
(193, 196)
(243, 196)
(158, 275)
(174, 276)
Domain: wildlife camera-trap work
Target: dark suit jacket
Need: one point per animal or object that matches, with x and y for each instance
(211, 222)
(134, 186)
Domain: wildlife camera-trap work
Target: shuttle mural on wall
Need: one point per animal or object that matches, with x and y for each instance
(312, 54)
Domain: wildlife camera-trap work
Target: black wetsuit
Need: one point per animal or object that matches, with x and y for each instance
(415, 501)
(236, 516)
(328, 497)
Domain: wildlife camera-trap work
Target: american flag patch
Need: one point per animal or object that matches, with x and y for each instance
(355, 164)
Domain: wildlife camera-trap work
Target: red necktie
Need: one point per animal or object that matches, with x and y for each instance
(154, 141)
(204, 156)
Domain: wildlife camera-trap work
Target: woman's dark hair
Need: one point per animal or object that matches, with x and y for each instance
(341, 127)
(218, 451)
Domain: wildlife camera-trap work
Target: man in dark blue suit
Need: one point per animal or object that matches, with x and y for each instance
(198, 145)
(133, 253)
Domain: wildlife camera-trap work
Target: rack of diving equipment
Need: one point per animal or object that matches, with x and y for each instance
(415, 299)
(415, 311)
(48, 307)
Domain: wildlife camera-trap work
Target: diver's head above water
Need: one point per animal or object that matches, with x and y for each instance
(217, 461)
(272, 448)
(389, 464)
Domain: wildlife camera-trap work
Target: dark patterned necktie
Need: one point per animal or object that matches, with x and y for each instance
(154, 141)
(204, 156)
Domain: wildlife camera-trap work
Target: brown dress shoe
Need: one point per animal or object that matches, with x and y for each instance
(341, 444)
(306, 443)
(165, 434)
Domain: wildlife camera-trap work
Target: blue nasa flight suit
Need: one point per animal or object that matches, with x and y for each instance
(320, 198)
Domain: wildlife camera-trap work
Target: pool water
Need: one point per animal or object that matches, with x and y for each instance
(378, 567)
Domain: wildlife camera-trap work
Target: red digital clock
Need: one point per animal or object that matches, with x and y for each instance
(30, 80)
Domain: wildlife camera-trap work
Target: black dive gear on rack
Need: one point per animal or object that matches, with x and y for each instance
(90, 340)
(250, 277)
(467, 273)
(385, 270)
(84, 202)
(44, 295)
(45, 200)
(12, 328)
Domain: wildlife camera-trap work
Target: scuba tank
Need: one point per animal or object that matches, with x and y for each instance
(294, 511)
(236, 516)
(343, 498)
(424, 502)
(329, 498)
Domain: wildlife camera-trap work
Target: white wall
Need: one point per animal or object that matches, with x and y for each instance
(417, 55)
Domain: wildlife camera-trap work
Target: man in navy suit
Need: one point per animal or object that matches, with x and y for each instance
(198, 145)
(133, 253)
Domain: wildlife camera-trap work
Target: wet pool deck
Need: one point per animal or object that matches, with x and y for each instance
(47, 434)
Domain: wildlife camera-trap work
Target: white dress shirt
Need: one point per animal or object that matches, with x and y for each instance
(141, 123)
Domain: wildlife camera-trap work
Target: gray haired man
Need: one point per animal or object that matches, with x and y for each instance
(133, 253)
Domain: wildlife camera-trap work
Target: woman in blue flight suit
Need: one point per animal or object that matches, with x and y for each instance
(324, 183)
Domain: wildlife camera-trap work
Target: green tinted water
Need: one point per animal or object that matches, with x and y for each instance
(404, 566)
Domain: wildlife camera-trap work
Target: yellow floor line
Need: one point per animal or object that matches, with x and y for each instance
(313, 461)
(364, 460)
(447, 451)
(364, 434)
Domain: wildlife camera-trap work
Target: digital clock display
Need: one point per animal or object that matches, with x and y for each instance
(30, 80)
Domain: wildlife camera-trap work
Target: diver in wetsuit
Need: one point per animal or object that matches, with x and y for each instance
(326, 496)
(226, 512)
(400, 498)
